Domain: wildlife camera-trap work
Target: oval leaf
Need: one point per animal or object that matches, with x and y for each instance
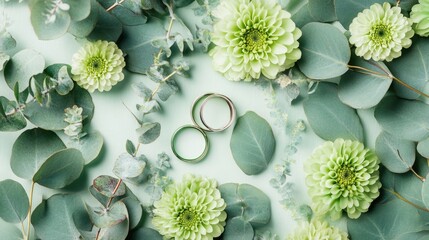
(53, 218)
(14, 202)
(328, 56)
(238, 229)
(22, 66)
(127, 166)
(108, 27)
(360, 90)
(106, 184)
(252, 143)
(32, 148)
(149, 132)
(107, 217)
(79, 9)
(60, 169)
(322, 10)
(10, 122)
(146, 233)
(396, 154)
(403, 118)
(135, 210)
(90, 145)
(425, 192)
(329, 117)
(423, 148)
(48, 26)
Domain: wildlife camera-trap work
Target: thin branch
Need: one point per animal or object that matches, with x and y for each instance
(410, 167)
(114, 5)
(24, 235)
(29, 209)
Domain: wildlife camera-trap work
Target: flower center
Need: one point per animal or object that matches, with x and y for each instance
(188, 219)
(96, 65)
(345, 176)
(380, 34)
(254, 40)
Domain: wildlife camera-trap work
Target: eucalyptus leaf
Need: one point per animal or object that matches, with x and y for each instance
(107, 217)
(84, 27)
(48, 19)
(252, 143)
(142, 91)
(167, 89)
(302, 15)
(116, 232)
(247, 202)
(4, 58)
(79, 9)
(329, 117)
(145, 233)
(10, 231)
(135, 211)
(417, 59)
(108, 27)
(328, 56)
(425, 192)
(14, 202)
(7, 42)
(395, 220)
(90, 145)
(53, 218)
(106, 185)
(64, 81)
(322, 10)
(10, 118)
(149, 132)
(423, 148)
(22, 66)
(360, 90)
(403, 118)
(127, 166)
(137, 44)
(129, 146)
(238, 229)
(396, 154)
(179, 34)
(149, 107)
(31, 149)
(129, 12)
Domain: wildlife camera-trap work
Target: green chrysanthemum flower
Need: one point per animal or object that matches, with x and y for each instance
(317, 230)
(380, 32)
(342, 175)
(253, 37)
(98, 65)
(193, 209)
(420, 16)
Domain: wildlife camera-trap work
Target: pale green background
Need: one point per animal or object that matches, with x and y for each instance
(117, 125)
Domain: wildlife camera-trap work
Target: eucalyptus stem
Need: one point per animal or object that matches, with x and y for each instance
(29, 210)
(155, 91)
(24, 235)
(137, 149)
(417, 175)
(406, 200)
(114, 5)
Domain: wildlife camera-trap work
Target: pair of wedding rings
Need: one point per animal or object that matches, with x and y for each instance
(205, 127)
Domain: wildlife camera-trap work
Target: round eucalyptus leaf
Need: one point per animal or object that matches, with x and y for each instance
(127, 166)
(4, 58)
(423, 148)
(79, 9)
(425, 192)
(106, 184)
(84, 27)
(107, 217)
(252, 143)
(417, 59)
(145, 233)
(396, 154)
(53, 218)
(135, 210)
(60, 169)
(328, 56)
(50, 115)
(302, 15)
(392, 220)
(247, 202)
(90, 145)
(14, 202)
(10, 231)
(11, 121)
(149, 132)
(31, 149)
(238, 229)
(360, 90)
(7, 42)
(403, 118)
(129, 12)
(329, 117)
(322, 10)
(116, 232)
(49, 25)
(107, 27)
(22, 66)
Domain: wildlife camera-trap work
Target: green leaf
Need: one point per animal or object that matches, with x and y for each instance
(90, 145)
(322, 10)
(10, 231)
(396, 154)
(22, 66)
(328, 56)
(238, 229)
(145, 233)
(84, 27)
(4, 58)
(129, 146)
(247, 202)
(117, 232)
(423, 148)
(106, 185)
(403, 118)
(60, 169)
(360, 90)
(14, 202)
(129, 12)
(127, 166)
(329, 117)
(425, 192)
(107, 27)
(53, 218)
(417, 59)
(107, 217)
(149, 132)
(65, 83)
(79, 9)
(50, 115)
(7, 42)
(32, 148)
(167, 89)
(302, 15)
(136, 43)
(252, 143)
(49, 26)
(135, 210)
(10, 122)
(395, 220)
